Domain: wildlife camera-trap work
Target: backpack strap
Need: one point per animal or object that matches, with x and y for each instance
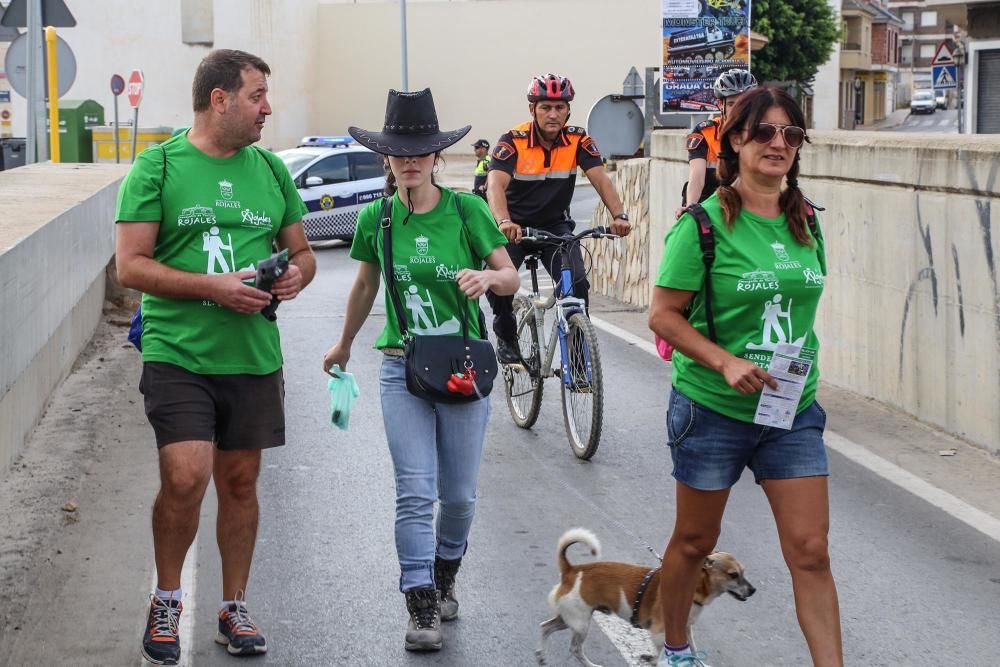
(811, 208)
(706, 240)
(468, 235)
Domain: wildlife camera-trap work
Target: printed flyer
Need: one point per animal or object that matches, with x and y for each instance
(701, 40)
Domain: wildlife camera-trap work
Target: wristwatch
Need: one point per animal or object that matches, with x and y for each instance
(621, 216)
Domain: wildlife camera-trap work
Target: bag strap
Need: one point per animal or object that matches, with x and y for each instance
(390, 274)
(388, 269)
(706, 240)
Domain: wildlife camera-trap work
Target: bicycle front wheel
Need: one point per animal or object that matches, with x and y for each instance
(583, 390)
(523, 382)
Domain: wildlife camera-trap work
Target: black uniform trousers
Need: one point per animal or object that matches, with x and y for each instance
(504, 325)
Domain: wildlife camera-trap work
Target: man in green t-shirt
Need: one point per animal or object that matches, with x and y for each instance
(196, 215)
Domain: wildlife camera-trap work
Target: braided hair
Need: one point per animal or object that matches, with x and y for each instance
(747, 114)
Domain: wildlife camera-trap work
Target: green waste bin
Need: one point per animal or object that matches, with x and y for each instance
(76, 120)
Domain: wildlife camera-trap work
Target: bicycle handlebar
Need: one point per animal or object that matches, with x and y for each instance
(536, 235)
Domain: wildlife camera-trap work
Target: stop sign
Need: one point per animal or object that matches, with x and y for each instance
(135, 83)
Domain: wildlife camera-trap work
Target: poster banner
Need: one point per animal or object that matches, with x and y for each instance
(701, 40)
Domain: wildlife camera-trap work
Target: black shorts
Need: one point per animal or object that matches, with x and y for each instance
(233, 411)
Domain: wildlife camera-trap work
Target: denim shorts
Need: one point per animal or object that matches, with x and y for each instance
(710, 450)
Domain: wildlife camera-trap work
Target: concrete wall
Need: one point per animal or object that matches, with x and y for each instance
(911, 311)
(116, 36)
(627, 260)
(56, 239)
(332, 61)
(476, 57)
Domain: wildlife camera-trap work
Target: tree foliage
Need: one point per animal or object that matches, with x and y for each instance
(802, 34)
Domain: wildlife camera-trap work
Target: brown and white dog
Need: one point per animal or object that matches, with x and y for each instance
(618, 588)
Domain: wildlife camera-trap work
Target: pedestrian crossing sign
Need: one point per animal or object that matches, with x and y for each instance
(944, 77)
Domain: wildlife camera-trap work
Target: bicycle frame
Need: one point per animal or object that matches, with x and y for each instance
(565, 306)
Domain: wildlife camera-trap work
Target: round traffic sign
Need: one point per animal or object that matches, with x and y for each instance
(17, 68)
(117, 84)
(135, 85)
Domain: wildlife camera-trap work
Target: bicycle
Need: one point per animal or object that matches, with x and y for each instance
(579, 370)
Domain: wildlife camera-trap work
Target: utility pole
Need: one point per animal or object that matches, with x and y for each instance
(35, 65)
(402, 45)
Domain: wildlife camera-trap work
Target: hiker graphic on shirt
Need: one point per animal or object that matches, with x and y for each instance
(424, 324)
(773, 326)
(212, 243)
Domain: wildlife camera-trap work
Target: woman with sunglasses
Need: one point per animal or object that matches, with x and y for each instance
(766, 281)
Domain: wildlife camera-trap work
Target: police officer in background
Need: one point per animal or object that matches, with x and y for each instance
(482, 149)
(703, 142)
(532, 177)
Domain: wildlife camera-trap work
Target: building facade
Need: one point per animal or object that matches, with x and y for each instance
(978, 59)
(869, 72)
(924, 28)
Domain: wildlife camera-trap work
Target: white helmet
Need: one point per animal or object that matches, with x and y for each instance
(733, 82)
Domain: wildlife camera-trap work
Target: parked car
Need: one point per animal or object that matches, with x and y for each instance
(923, 102)
(941, 99)
(336, 178)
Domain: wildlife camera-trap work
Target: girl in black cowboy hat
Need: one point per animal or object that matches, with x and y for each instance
(435, 447)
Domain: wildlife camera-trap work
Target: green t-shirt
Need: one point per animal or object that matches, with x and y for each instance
(427, 254)
(765, 290)
(216, 216)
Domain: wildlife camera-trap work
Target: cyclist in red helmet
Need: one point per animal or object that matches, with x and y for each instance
(532, 177)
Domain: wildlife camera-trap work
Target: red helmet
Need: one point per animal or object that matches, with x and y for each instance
(550, 87)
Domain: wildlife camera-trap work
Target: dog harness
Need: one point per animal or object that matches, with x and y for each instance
(638, 598)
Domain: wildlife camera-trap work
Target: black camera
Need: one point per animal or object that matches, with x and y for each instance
(268, 272)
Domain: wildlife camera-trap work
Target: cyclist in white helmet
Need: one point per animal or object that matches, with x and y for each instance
(703, 142)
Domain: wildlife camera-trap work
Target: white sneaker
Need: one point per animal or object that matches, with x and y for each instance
(682, 660)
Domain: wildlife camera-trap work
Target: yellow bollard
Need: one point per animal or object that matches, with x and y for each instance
(50, 45)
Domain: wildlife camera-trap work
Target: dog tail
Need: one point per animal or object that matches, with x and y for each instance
(571, 537)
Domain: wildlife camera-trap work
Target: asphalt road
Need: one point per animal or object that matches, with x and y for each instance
(916, 585)
(941, 121)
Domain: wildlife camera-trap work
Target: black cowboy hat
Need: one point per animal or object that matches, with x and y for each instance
(411, 127)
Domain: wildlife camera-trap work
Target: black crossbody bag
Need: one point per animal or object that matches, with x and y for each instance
(441, 369)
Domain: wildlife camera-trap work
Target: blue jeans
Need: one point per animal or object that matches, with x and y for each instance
(710, 450)
(435, 449)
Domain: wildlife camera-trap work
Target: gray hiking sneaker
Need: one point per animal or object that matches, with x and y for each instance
(423, 632)
(445, 572)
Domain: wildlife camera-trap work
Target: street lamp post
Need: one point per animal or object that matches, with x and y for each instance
(402, 45)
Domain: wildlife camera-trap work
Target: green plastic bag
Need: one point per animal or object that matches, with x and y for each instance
(343, 390)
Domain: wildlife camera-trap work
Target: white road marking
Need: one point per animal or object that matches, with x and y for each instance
(631, 642)
(627, 336)
(944, 501)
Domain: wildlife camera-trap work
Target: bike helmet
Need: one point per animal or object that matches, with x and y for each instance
(550, 87)
(733, 82)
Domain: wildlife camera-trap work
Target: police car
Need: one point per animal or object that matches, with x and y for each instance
(336, 178)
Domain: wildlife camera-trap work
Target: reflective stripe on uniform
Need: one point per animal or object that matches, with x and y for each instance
(543, 176)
